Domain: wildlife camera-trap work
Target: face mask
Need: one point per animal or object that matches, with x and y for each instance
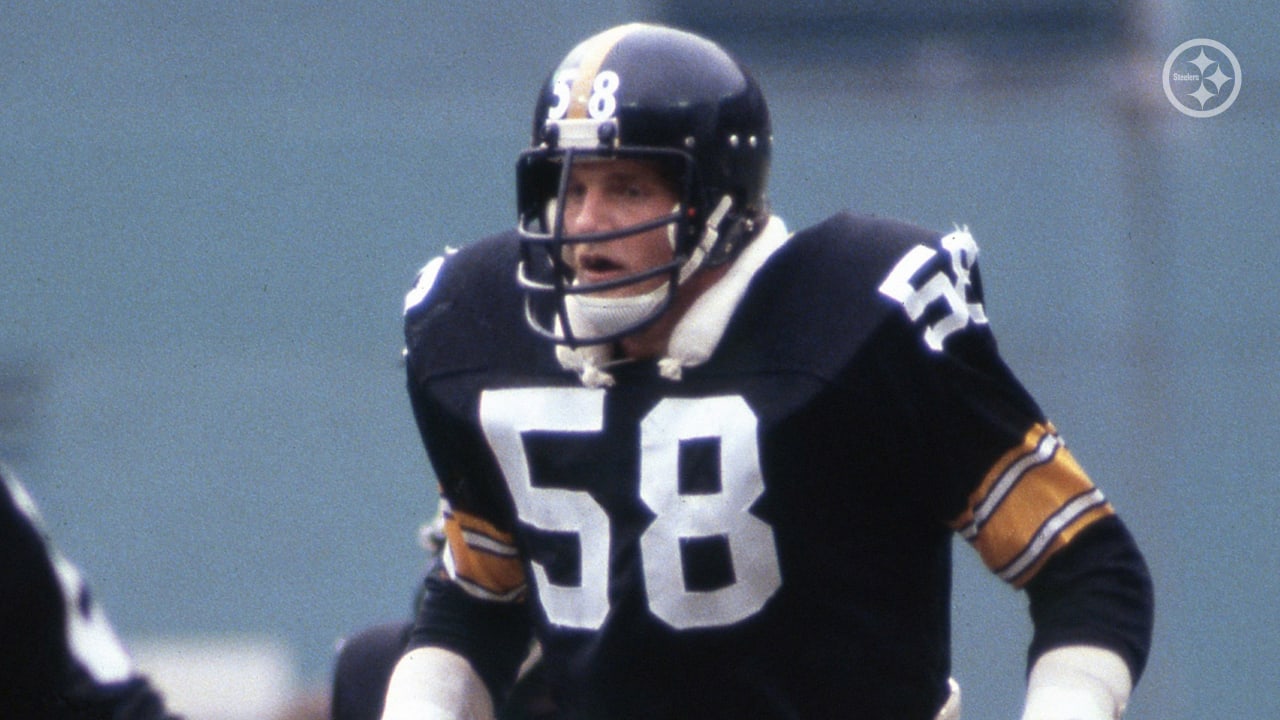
(594, 316)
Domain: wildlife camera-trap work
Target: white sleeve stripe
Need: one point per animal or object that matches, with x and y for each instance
(1049, 531)
(484, 543)
(477, 591)
(472, 588)
(1043, 453)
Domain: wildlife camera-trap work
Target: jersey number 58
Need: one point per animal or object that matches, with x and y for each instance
(506, 414)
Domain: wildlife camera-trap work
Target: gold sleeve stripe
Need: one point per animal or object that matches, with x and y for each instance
(998, 488)
(1031, 503)
(483, 543)
(482, 559)
(1081, 510)
(593, 55)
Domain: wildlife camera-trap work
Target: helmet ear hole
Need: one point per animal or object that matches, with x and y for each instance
(550, 134)
(607, 134)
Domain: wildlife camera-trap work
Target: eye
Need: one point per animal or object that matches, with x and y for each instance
(634, 189)
(574, 193)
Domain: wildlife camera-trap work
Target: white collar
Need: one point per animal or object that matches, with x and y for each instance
(698, 333)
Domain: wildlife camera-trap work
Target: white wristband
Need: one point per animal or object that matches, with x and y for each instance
(436, 684)
(1078, 682)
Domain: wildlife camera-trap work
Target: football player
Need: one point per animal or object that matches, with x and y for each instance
(59, 657)
(714, 466)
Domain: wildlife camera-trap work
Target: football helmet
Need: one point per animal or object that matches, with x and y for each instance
(648, 92)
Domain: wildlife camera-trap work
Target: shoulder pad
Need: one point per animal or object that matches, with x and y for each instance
(425, 280)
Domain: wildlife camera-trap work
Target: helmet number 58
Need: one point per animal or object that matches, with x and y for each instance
(602, 103)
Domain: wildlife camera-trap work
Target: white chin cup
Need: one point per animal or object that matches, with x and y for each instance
(594, 316)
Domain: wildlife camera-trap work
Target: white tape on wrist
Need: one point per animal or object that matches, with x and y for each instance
(1078, 682)
(436, 684)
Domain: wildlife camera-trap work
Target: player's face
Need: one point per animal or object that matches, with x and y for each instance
(610, 195)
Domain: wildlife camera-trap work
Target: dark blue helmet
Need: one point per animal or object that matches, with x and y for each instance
(649, 92)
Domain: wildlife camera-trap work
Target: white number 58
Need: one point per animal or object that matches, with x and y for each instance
(917, 297)
(506, 414)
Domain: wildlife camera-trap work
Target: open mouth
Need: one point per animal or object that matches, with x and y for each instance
(593, 267)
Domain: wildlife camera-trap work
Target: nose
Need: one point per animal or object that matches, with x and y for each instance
(586, 212)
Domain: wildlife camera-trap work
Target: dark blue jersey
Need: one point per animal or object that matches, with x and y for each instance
(59, 657)
(765, 531)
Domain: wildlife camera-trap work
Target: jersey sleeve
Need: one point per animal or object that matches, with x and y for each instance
(1030, 504)
(441, 322)
(493, 636)
(1006, 480)
(1096, 591)
(475, 600)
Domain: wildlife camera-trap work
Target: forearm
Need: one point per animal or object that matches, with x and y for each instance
(1093, 610)
(492, 638)
(1097, 592)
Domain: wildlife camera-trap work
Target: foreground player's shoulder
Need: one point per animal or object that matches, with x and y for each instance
(850, 278)
(871, 248)
(931, 277)
(848, 256)
(464, 304)
(846, 260)
(872, 240)
(482, 266)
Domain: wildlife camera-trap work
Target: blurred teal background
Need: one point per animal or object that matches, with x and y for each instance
(209, 213)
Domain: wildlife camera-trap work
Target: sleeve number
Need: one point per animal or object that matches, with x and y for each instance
(505, 414)
(939, 286)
